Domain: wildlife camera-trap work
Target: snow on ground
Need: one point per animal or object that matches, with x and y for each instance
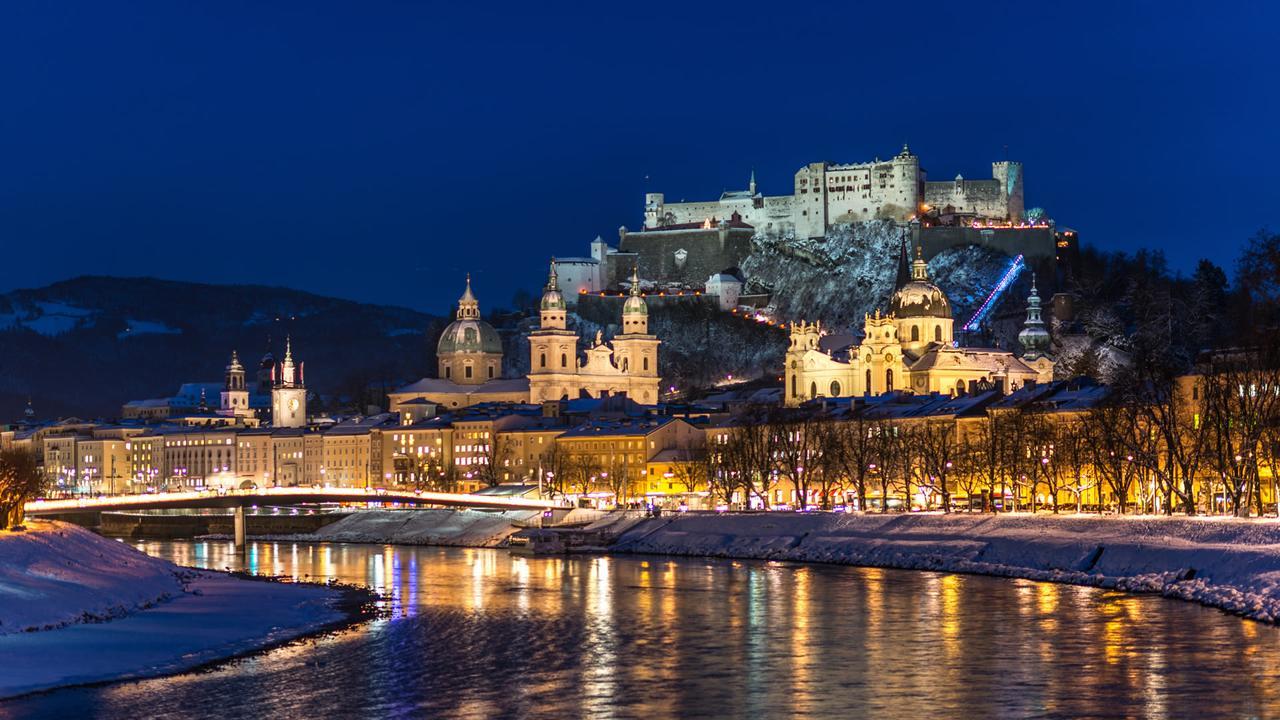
(136, 328)
(464, 528)
(117, 613)
(57, 574)
(1229, 564)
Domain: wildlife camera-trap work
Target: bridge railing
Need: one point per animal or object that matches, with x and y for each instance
(371, 495)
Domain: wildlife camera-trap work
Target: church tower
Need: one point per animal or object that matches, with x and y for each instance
(289, 393)
(235, 395)
(1035, 339)
(469, 351)
(553, 348)
(635, 351)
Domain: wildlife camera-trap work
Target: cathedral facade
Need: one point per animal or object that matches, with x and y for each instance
(910, 348)
(626, 366)
(469, 357)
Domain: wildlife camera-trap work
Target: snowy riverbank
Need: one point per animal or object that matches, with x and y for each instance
(1229, 564)
(458, 528)
(78, 608)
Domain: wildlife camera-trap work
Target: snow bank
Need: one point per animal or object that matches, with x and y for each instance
(465, 528)
(1229, 564)
(163, 619)
(56, 574)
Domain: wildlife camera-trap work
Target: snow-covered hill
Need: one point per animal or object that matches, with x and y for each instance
(851, 272)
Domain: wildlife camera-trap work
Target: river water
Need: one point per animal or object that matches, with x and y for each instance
(482, 634)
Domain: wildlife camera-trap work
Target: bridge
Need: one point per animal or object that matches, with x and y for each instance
(240, 499)
(282, 496)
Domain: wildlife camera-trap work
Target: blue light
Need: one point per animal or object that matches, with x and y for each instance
(989, 304)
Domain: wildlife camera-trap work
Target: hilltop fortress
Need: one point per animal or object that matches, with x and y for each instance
(826, 194)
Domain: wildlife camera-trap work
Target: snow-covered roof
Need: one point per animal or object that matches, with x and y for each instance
(627, 426)
(943, 357)
(440, 385)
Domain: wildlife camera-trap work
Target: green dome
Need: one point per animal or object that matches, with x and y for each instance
(552, 300)
(635, 305)
(468, 335)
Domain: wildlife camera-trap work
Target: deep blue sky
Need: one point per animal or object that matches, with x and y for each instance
(378, 150)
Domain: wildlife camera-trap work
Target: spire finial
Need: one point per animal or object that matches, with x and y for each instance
(468, 306)
(553, 280)
(635, 280)
(920, 268)
(288, 348)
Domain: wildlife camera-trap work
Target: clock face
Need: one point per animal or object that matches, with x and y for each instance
(293, 404)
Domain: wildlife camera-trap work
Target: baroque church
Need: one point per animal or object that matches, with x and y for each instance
(911, 348)
(469, 359)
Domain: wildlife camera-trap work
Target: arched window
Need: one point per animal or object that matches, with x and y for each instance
(644, 363)
(868, 389)
(490, 372)
(959, 387)
(793, 386)
(542, 360)
(813, 390)
(564, 360)
(937, 333)
(624, 364)
(915, 333)
(467, 371)
(448, 372)
(835, 389)
(888, 380)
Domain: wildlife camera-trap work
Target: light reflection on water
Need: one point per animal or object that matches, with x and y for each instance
(479, 634)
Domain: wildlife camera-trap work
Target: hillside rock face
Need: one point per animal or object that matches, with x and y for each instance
(851, 272)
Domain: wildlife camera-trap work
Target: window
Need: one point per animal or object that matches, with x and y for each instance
(793, 385)
(467, 371)
(888, 380)
(490, 372)
(813, 390)
(937, 333)
(448, 372)
(542, 360)
(915, 333)
(564, 360)
(868, 390)
(645, 363)
(835, 389)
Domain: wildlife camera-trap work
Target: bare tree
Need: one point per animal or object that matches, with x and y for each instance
(936, 443)
(1241, 393)
(850, 453)
(20, 482)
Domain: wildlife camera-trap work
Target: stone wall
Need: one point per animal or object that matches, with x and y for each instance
(1037, 243)
(687, 256)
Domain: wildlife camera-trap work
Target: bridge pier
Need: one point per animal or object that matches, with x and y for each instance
(239, 526)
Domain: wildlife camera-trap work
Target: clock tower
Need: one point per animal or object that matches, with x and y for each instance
(288, 393)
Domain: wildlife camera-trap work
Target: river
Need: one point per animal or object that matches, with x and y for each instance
(482, 634)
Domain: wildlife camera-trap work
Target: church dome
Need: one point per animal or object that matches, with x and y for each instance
(551, 297)
(635, 305)
(468, 333)
(920, 298)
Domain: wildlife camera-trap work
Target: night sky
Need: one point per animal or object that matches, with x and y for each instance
(377, 151)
